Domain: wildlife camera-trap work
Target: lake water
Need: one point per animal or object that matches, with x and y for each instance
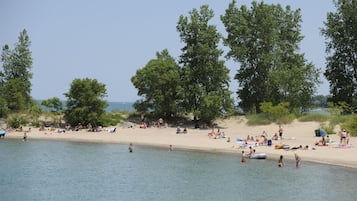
(59, 171)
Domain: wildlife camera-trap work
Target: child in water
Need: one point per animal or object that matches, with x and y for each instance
(243, 157)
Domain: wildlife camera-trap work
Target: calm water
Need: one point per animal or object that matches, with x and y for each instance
(43, 170)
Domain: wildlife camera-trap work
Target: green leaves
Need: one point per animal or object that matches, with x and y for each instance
(205, 77)
(16, 75)
(85, 102)
(264, 40)
(340, 32)
(158, 83)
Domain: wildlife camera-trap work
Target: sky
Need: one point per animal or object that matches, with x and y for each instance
(109, 40)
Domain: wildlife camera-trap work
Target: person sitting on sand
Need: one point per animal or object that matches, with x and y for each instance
(212, 133)
(143, 125)
(178, 130)
(218, 134)
(228, 139)
(223, 135)
(275, 137)
(185, 131)
(321, 142)
(161, 122)
(78, 127)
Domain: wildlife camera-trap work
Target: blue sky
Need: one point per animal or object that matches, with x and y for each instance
(109, 40)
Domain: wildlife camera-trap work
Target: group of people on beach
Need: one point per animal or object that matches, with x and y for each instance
(217, 134)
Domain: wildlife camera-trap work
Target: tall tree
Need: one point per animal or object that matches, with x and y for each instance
(16, 75)
(205, 76)
(158, 83)
(85, 103)
(265, 39)
(340, 32)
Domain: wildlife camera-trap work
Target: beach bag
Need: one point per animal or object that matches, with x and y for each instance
(270, 142)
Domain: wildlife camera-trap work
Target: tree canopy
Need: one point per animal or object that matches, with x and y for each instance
(158, 84)
(85, 102)
(340, 32)
(205, 78)
(264, 39)
(15, 75)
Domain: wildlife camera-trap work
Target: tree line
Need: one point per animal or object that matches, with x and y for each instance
(262, 39)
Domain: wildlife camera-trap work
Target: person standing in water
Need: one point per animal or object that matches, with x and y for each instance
(281, 161)
(25, 137)
(243, 157)
(297, 160)
(131, 148)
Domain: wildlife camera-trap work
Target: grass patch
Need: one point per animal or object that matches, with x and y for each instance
(315, 117)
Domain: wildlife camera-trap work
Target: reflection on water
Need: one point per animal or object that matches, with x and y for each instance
(42, 170)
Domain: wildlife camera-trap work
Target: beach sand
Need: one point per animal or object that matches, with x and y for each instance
(294, 134)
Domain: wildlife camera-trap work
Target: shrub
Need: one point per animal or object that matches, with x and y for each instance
(15, 121)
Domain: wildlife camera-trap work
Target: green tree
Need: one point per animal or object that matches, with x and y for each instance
(265, 39)
(158, 83)
(205, 78)
(16, 75)
(55, 106)
(340, 31)
(85, 102)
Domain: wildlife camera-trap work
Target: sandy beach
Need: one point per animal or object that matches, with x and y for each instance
(294, 135)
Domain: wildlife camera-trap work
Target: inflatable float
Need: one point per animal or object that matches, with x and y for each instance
(2, 133)
(258, 156)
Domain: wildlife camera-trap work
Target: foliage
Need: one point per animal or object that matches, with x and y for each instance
(34, 112)
(85, 102)
(351, 125)
(205, 78)
(314, 117)
(279, 114)
(53, 104)
(320, 101)
(4, 110)
(16, 75)
(16, 121)
(264, 40)
(341, 46)
(158, 84)
(339, 108)
(258, 119)
(274, 112)
(111, 119)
